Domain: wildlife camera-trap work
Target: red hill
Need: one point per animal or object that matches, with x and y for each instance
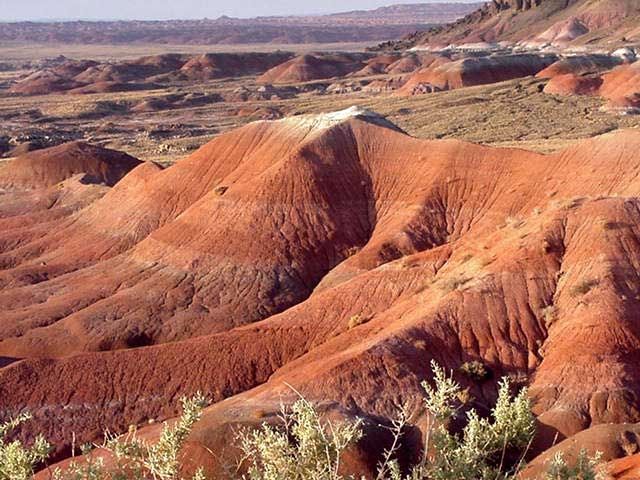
(238, 270)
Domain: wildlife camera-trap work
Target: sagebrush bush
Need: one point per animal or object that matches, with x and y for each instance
(475, 370)
(17, 462)
(585, 468)
(136, 459)
(480, 450)
(307, 446)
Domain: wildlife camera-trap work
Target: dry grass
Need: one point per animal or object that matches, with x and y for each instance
(584, 287)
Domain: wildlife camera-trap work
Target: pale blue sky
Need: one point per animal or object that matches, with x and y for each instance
(11, 10)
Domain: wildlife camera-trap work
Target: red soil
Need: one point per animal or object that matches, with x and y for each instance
(580, 65)
(574, 85)
(446, 250)
(314, 67)
(44, 168)
(620, 86)
(444, 74)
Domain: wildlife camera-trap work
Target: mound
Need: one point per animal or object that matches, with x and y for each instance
(377, 65)
(314, 67)
(52, 78)
(47, 167)
(621, 87)
(449, 75)
(108, 87)
(43, 82)
(220, 65)
(580, 65)
(336, 254)
(412, 62)
(570, 84)
(143, 73)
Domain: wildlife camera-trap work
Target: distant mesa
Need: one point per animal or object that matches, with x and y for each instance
(537, 23)
(357, 26)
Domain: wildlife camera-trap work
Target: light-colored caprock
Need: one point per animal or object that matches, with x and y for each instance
(323, 121)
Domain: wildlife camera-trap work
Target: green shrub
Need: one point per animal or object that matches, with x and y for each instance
(356, 320)
(585, 468)
(475, 370)
(480, 450)
(584, 287)
(17, 462)
(308, 448)
(136, 459)
(305, 448)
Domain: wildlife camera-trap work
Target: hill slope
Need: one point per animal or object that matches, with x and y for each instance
(339, 255)
(561, 22)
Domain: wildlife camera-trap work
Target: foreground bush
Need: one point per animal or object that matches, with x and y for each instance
(308, 447)
(136, 459)
(17, 462)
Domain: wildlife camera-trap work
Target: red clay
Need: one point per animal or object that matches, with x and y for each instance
(445, 250)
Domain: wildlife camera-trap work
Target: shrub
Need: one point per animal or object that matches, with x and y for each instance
(585, 468)
(357, 320)
(475, 370)
(305, 448)
(138, 460)
(550, 315)
(450, 284)
(480, 450)
(308, 448)
(584, 287)
(17, 462)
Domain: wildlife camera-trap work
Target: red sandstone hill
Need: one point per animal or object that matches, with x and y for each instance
(316, 66)
(45, 168)
(560, 22)
(444, 74)
(620, 86)
(74, 76)
(238, 270)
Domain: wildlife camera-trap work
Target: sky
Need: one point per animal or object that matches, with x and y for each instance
(14, 10)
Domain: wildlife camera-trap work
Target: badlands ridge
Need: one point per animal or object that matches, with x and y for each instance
(333, 253)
